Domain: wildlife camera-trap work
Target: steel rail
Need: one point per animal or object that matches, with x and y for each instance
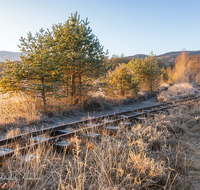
(60, 127)
(68, 135)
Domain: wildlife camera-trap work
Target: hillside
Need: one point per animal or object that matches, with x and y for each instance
(167, 57)
(171, 56)
(13, 56)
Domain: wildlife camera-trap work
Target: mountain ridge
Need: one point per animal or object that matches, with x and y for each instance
(13, 56)
(166, 57)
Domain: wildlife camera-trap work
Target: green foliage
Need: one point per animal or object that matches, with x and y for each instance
(164, 75)
(146, 71)
(70, 55)
(38, 74)
(78, 53)
(161, 63)
(121, 81)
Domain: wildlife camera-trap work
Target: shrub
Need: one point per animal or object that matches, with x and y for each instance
(121, 81)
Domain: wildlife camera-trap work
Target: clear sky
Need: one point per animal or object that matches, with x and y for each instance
(122, 26)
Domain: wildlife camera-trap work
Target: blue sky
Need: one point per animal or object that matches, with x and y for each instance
(122, 26)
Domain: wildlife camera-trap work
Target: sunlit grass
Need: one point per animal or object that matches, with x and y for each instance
(144, 156)
(178, 91)
(18, 109)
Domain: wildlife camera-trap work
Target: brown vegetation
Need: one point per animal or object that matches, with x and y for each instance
(178, 91)
(179, 69)
(18, 110)
(120, 82)
(186, 69)
(151, 155)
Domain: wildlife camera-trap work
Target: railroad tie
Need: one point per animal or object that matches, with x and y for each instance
(153, 115)
(148, 110)
(28, 157)
(134, 113)
(171, 106)
(124, 116)
(38, 139)
(60, 145)
(126, 124)
(140, 118)
(106, 121)
(183, 107)
(65, 131)
(189, 105)
(4, 150)
(176, 109)
(168, 111)
(161, 112)
(91, 136)
(110, 130)
(63, 145)
(92, 124)
(163, 107)
(23, 158)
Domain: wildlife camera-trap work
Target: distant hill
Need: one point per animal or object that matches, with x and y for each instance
(13, 56)
(138, 55)
(167, 57)
(171, 56)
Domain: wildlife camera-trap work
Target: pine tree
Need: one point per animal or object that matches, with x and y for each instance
(79, 53)
(147, 72)
(38, 74)
(121, 81)
(165, 75)
(70, 55)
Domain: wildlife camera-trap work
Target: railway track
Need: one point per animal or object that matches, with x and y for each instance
(60, 136)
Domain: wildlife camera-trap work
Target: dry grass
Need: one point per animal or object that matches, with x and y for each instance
(178, 91)
(146, 156)
(18, 109)
(151, 155)
(13, 132)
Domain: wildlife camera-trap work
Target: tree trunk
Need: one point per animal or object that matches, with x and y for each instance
(67, 89)
(80, 86)
(67, 85)
(43, 93)
(73, 85)
(151, 85)
(122, 89)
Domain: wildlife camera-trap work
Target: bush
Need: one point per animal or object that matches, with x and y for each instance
(147, 72)
(121, 82)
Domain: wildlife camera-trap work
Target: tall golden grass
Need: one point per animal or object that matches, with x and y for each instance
(146, 156)
(18, 109)
(22, 110)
